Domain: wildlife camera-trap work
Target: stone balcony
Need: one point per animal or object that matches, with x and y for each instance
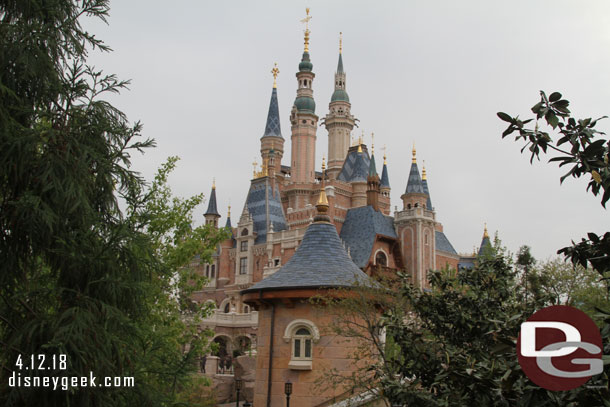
(231, 320)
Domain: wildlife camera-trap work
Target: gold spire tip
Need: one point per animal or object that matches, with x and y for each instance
(385, 162)
(485, 234)
(306, 21)
(229, 212)
(414, 154)
(323, 164)
(423, 172)
(340, 43)
(372, 143)
(214, 183)
(274, 72)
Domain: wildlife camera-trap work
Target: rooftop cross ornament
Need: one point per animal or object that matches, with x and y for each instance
(274, 72)
(306, 21)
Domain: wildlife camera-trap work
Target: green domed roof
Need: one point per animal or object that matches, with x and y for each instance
(305, 65)
(339, 95)
(305, 103)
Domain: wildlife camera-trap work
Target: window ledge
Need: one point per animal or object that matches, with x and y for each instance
(300, 364)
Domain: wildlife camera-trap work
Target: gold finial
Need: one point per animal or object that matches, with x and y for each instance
(274, 72)
(414, 153)
(372, 143)
(340, 43)
(265, 171)
(229, 214)
(423, 172)
(385, 162)
(214, 183)
(254, 164)
(485, 234)
(322, 205)
(306, 21)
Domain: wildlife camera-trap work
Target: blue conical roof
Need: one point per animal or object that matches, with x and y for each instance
(212, 210)
(372, 166)
(414, 185)
(427, 192)
(385, 179)
(265, 206)
(272, 128)
(320, 261)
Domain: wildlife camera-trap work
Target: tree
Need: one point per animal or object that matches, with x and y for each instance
(573, 285)
(78, 277)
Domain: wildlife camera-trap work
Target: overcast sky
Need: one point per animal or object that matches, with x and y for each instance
(430, 72)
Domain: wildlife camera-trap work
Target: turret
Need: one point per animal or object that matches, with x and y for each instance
(485, 247)
(338, 122)
(372, 180)
(414, 195)
(272, 140)
(384, 184)
(211, 215)
(303, 120)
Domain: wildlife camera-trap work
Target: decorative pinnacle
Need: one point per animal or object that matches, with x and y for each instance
(423, 172)
(485, 234)
(322, 205)
(340, 43)
(274, 72)
(372, 143)
(306, 21)
(414, 154)
(254, 164)
(214, 183)
(385, 162)
(229, 212)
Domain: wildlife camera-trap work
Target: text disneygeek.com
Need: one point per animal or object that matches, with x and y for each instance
(41, 363)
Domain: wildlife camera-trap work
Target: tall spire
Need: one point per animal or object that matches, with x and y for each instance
(340, 64)
(424, 181)
(385, 179)
(272, 126)
(212, 210)
(414, 184)
(228, 224)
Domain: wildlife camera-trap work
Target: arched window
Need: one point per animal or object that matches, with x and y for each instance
(227, 308)
(301, 344)
(302, 335)
(381, 259)
(213, 271)
(244, 232)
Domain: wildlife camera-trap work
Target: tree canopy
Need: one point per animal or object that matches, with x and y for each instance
(79, 276)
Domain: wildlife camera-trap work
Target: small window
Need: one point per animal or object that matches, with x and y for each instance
(243, 265)
(227, 308)
(381, 259)
(301, 344)
(207, 270)
(244, 232)
(243, 246)
(276, 262)
(213, 271)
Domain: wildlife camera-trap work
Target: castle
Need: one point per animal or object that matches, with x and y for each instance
(281, 216)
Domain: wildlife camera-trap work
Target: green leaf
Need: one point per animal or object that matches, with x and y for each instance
(505, 117)
(555, 96)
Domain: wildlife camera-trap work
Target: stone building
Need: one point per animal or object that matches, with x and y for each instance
(359, 230)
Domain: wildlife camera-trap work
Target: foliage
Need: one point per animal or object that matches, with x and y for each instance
(573, 285)
(77, 276)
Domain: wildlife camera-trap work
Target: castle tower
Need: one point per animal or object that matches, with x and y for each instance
(303, 122)
(372, 192)
(211, 215)
(385, 179)
(294, 338)
(272, 140)
(338, 122)
(417, 228)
